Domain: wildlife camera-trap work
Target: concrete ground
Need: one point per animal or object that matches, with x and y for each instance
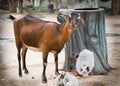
(9, 65)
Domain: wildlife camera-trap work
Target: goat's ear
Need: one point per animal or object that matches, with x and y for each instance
(78, 18)
(70, 14)
(81, 20)
(68, 17)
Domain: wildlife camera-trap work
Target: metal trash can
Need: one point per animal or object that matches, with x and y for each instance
(91, 36)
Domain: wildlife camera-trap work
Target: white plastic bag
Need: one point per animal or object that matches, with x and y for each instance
(66, 79)
(85, 62)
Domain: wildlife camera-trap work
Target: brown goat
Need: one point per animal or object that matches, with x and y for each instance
(39, 35)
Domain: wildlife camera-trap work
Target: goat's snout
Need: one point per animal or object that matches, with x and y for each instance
(74, 24)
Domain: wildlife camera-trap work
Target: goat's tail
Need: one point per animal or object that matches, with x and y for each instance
(11, 17)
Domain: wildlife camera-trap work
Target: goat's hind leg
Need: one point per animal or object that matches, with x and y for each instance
(19, 63)
(18, 44)
(24, 50)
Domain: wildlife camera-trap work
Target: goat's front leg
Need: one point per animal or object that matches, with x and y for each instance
(56, 63)
(44, 79)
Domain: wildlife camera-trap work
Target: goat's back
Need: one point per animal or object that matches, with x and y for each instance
(37, 33)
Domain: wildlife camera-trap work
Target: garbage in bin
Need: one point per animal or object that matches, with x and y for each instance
(50, 8)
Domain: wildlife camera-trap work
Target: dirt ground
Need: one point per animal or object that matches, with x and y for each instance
(8, 58)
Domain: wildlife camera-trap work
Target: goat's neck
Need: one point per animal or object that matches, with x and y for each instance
(65, 32)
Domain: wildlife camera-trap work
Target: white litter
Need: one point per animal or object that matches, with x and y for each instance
(85, 62)
(66, 79)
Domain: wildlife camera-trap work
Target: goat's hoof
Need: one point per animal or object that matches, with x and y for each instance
(26, 71)
(44, 80)
(20, 74)
(57, 73)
